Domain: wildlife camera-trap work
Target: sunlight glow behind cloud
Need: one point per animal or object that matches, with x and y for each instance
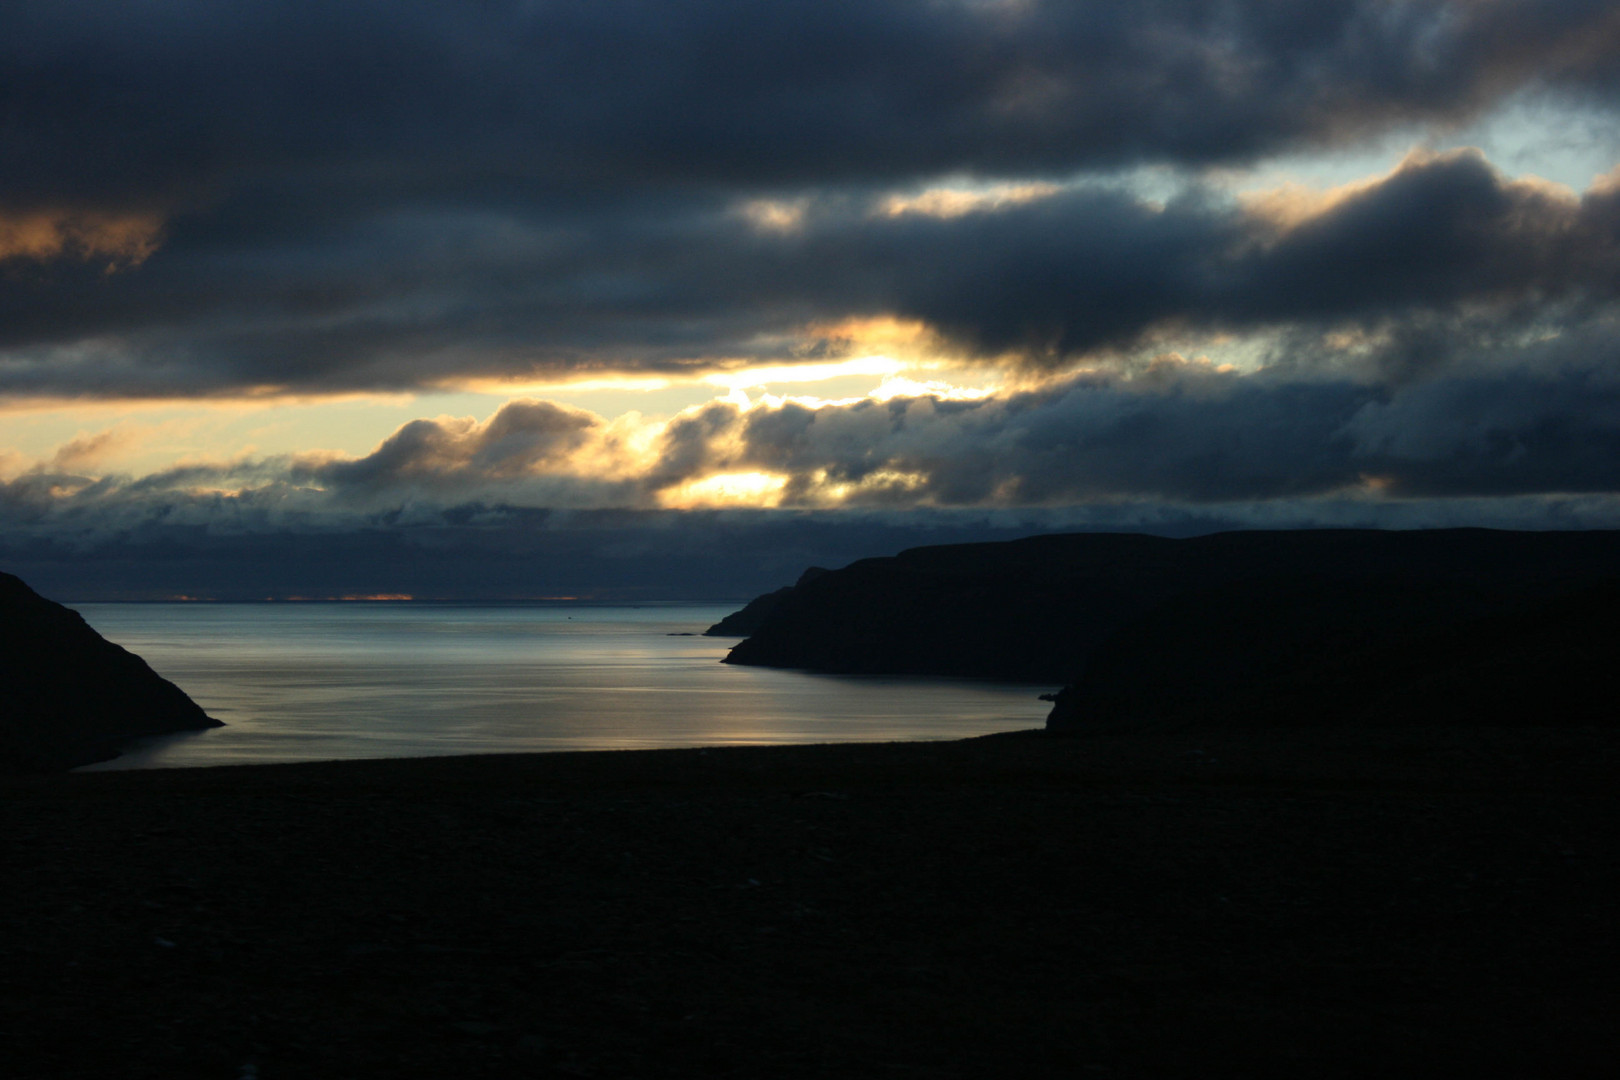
(753, 377)
(726, 489)
(123, 239)
(952, 202)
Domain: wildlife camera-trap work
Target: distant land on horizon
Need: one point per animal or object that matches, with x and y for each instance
(603, 558)
(597, 559)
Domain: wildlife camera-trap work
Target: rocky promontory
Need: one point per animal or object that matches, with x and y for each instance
(1304, 625)
(68, 696)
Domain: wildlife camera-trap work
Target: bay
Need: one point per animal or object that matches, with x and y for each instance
(325, 681)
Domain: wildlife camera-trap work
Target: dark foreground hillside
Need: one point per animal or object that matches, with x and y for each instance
(1304, 902)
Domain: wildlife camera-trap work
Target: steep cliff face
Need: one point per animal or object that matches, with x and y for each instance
(68, 696)
(1234, 624)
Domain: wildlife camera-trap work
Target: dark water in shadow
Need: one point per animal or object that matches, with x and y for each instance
(302, 682)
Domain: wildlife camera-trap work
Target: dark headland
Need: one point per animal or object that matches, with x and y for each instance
(1356, 626)
(70, 697)
(1244, 897)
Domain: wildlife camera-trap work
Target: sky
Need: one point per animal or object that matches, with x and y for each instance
(673, 299)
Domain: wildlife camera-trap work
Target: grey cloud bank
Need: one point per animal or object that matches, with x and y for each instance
(369, 101)
(1178, 437)
(1180, 432)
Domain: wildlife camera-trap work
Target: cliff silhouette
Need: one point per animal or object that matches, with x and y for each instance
(68, 696)
(748, 619)
(1306, 626)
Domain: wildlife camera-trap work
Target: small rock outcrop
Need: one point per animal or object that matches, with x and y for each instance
(68, 696)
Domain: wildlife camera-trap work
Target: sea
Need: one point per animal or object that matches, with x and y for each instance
(327, 681)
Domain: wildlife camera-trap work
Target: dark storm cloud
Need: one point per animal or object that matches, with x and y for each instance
(1441, 239)
(1483, 436)
(1071, 274)
(186, 100)
(336, 196)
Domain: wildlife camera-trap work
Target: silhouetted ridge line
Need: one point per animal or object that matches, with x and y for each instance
(745, 622)
(68, 696)
(1371, 626)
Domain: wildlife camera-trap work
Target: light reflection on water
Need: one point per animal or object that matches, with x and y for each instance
(303, 682)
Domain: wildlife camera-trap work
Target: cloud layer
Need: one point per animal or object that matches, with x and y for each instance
(1045, 281)
(173, 102)
(1174, 432)
(315, 197)
(294, 199)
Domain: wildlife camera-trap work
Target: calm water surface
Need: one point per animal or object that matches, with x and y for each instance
(303, 682)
